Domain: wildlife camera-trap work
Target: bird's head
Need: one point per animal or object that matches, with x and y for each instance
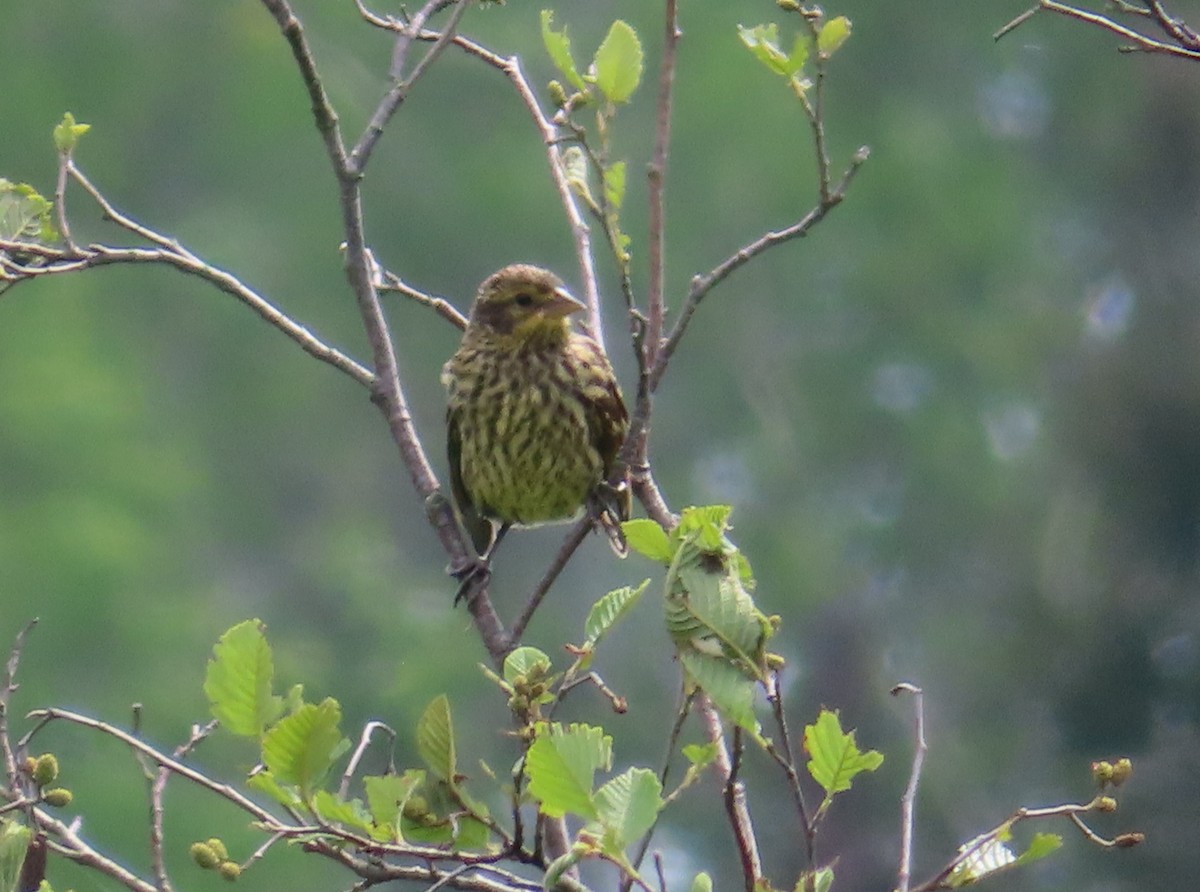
(522, 304)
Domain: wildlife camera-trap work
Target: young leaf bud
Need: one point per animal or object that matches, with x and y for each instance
(229, 870)
(219, 849)
(1121, 771)
(204, 856)
(1106, 804)
(45, 769)
(59, 797)
(1129, 840)
(1102, 773)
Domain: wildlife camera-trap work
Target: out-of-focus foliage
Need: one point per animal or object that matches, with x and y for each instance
(957, 422)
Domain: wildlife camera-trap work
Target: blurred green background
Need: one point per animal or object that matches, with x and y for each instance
(958, 422)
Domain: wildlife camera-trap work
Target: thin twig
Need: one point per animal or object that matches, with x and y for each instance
(702, 285)
(360, 155)
(734, 794)
(364, 741)
(1140, 42)
(574, 539)
(7, 689)
(656, 182)
(787, 760)
(908, 801)
(391, 282)
(686, 699)
(60, 200)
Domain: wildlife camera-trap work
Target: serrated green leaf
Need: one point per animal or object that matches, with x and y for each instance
(705, 525)
(617, 65)
(610, 610)
(648, 539)
(67, 133)
(1040, 846)
(387, 794)
(627, 806)
(834, 757)
(14, 843)
(300, 748)
(702, 882)
(351, 815)
(523, 661)
(25, 214)
(562, 763)
(238, 681)
(265, 782)
(558, 46)
(435, 739)
(728, 688)
(833, 34)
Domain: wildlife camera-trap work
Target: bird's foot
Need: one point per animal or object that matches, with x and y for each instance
(473, 574)
(608, 505)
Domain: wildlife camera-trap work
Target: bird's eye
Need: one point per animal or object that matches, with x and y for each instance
(523, 299)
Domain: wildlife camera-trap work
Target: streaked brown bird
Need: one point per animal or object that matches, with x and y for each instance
(535, 416)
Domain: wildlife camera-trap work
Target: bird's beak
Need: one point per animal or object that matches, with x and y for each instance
(561, 304)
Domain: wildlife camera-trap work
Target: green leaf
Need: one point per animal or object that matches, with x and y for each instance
(763, 42)
(435, 739)
(702, 882)
(300, 748)
(387, 794)
(1040, 846)
(610, 610)
(561, 764)
(833, 34)
(648, 539)
(265, 782)
(525, 661)
(705, 525)
(834, 756)
(14, 843)
(728, 688)
(338, 811)
(558, 45)
(822, 880)
(238, 681)
(25, 215)
(617, 66)
(700, 755)
(628, 805)
(988, 855)
(67, 133)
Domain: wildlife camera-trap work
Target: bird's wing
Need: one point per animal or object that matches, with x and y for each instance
(479, 528)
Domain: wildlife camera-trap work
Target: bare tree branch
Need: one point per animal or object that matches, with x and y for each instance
(908, 801)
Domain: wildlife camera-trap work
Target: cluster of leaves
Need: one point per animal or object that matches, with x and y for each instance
(720, 638)
(821, 38)
(300, 743)
(609, 81)
(719, 633)
(25, 215)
